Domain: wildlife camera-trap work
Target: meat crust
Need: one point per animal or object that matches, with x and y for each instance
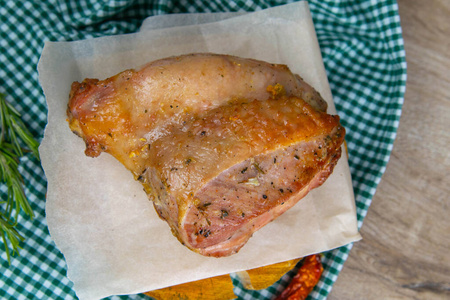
(222, 145)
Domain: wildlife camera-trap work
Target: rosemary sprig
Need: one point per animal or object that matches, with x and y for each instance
(15, 140)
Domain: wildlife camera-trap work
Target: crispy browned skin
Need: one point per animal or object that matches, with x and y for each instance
(222, 145)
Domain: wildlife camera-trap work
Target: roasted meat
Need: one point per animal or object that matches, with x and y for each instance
(222, 145)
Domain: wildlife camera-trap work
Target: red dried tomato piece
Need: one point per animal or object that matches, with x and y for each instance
(304, 281)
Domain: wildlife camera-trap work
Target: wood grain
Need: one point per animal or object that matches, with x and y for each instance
(405, 251)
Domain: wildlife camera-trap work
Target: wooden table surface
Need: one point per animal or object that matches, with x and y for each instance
(405, 251)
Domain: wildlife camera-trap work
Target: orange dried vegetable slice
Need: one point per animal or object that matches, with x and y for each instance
(263, 277)
(221, 287)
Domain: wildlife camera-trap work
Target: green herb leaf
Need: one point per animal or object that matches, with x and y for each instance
(15, 140)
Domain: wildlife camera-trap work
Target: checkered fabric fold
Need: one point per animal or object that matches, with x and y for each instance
(363, 53)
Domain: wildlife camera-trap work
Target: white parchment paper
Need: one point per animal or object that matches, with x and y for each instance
(100, 218)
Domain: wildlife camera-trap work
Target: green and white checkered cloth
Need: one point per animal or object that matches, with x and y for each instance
(363, 53)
